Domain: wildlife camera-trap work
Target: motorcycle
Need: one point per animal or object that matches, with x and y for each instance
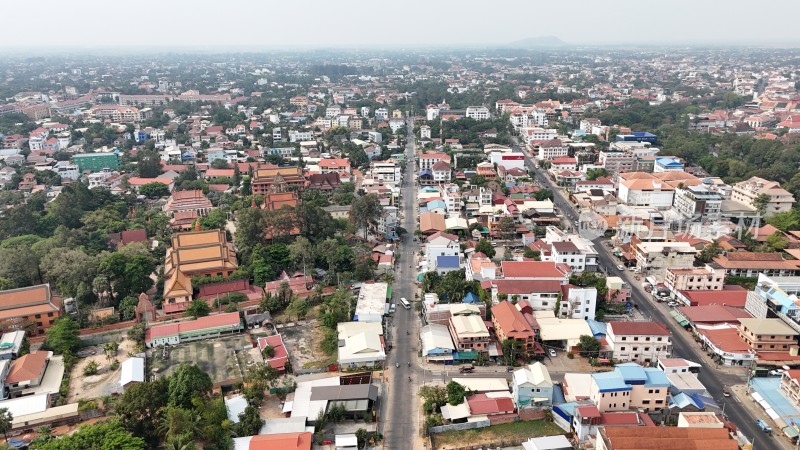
(397, 365)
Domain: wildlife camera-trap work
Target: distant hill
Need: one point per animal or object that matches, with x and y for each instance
(541, 41)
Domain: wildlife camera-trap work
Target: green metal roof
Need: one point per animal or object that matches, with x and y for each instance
(680, 318)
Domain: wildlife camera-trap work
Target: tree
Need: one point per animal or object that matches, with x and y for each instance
(510, 351)
(250, 422)
(219, 164)
(301, 253)
(127, 307)
(760, 203)
(139, 408)
(455, 393)
(593, 174)
(365, 212)
(109, 435)
(111, 349)
(777, 242)
(249, 231)
(785, 221)
(268, 352)
(435, 397)
(154, 190)
(358, 157)
(588, 346)
(316, 224)
(137, 333)
(62, 337)
(186, 383)
(198, 308)
(176, 422)
(485, 247)
(91, 369)
(709, 252)
(507, 228)
(148, 164)
(217, 218)
(68, 268)
(297, 308)
(532, 254)
(6, 418)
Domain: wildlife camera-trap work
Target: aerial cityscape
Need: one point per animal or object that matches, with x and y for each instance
(523, 239)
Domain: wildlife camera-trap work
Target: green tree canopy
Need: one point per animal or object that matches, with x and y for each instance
(109, 435)
(186, 383)
(62, 337)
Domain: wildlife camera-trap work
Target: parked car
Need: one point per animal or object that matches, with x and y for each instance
(726, 392)
(552, 353)
(632, 268)
(621, 267)
(673, 304)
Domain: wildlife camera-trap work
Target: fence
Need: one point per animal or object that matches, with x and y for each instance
(459, 426)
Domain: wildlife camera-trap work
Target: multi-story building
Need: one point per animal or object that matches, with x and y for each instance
(67, 170)
(118, 113)
(768, 335)
(646, 191)
(96, 162)
(424, 132)
(34, 308)
(698, 203)
(777, 199)
(707, 278)
(381, 114)
(334, 165)
(790, 385)
(469, 333)
(509, 323)
(300, 135)
(654, 258)
(388, 171)
(441, 172)
(427, 160)
(441, 244)
(552, 149)
(277, 179)
(145, 100)
(751, 264)
(577, 302)
(616, 162)
(478, 112)
(668, 165)
(639, 341)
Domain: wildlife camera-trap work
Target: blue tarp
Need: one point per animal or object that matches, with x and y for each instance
(471, 298)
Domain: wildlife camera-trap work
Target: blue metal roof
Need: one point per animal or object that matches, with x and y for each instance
(598, 328)
(655, 377)
(471, 298)
(447, 261)
(632, 373)
(610, 382)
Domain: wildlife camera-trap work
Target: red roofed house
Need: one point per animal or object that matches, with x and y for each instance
(509, 323)
(334, 165)
(280, 357)
(27, 372)
(481, 404)
(191, 330)
(730, 295)
(542, 295)
(280, 441)
(298, 283)
(639, 341)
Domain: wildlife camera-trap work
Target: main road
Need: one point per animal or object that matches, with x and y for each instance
(401, 419)
(682, 343)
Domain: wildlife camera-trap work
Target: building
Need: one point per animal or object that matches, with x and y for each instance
(186, 201)
(280, 357)
(360, 345)
(33, 308)
(639, 341)
(578, 302)
(552, 149)
(654, 258)
(278, 441)
(632, 438)
(27, 372)
(192, 330)
(66, 170)
(532, 386)
(441, 244)
(790, 385)
(647, 191)
(629, 386)
(707, 278)
(508, 160)
(96, 162)
(751, 264)
(637, 136)
(334, 165)
(768, 335)
(277, 179)
(194, 253)
(437, 344)
(698, 203)
(131, 371)
(11, 344)
(776, 198)
(616, 162)
(509, 323)
(424, 132)
(371, 302)
(668, 165)
(469, 333)
(478, 112)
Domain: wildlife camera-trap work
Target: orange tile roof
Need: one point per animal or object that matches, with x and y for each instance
(511, 321)
(281, 441)
(668, 438)
(28, 301)
(28, 367)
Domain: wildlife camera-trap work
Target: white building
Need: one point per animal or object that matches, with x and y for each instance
(360, 344)
(650, 192)
(509, 160)
(371, 302)
(578, 303)
(695, 279)
(552, 149)
(381, 114)
(698, 203)
(478, 112)
(424, 132)
(441, 244)
(299, 136)
(441, 172)
(432, 112)
(387, 170)
(654, 258)
(639, 341)
(67, 170)
(779, 199)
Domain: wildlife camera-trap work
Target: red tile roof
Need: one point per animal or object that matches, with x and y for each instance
(278, 361)
(531, 269)
(481, 404)
(713, 314)
(511, 321)
(729, 297)
(28, 367)
(218, 320)
(521, 287)
(281, 441)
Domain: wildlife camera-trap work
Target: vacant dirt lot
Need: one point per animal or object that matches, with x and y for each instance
(106, 382)
(302, 340)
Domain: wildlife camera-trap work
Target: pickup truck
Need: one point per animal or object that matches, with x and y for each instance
(466, 369)
(763, 425)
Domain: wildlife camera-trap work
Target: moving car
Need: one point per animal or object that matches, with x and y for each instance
(673, 304)
(405, 303)
(469, 368)
(620, 267)
(763, 425)
(552, 353)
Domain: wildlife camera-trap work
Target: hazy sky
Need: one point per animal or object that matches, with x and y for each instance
(361, 23)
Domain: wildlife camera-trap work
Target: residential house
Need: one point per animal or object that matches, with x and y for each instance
(469, 333)
(437, 343)
(509, 323)
(639, 341)
(532, 386)
(361, 344)
(441, 244)
(578, 302)
(707, 278)
(768, 335)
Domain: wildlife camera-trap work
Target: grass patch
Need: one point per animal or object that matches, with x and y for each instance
(506, 433)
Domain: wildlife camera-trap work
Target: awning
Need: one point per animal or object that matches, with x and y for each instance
(790, 432)
(465, 356)
(680, 318)
(389, 291)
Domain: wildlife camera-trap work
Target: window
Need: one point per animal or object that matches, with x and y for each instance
(38, 316)
(645, 402)
(49, 314)
(622, 349)
(649, 391)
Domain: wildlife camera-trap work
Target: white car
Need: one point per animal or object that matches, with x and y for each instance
(552, 353)
(620, 267)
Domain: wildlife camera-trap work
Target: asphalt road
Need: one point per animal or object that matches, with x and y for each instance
(683, 344)
(401, 424)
